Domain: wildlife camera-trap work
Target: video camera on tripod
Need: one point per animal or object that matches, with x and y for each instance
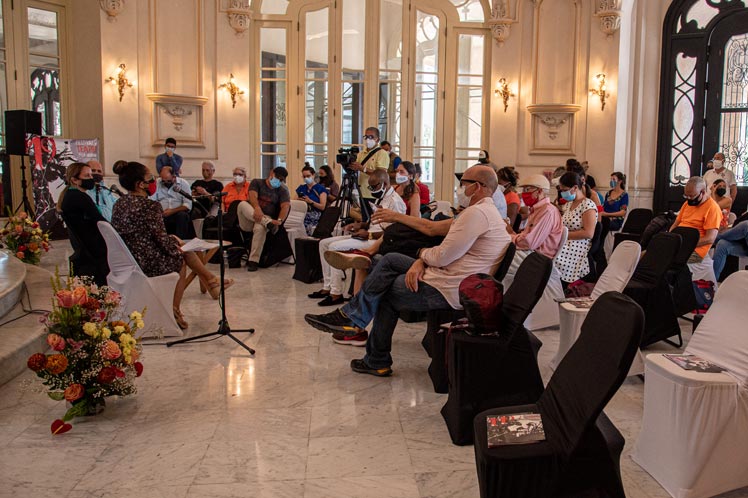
(346, 156)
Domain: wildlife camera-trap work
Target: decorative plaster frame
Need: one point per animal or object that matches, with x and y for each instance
(501, 19)
(609, 13)
(553, 117)
(239, 14)
(113, 8)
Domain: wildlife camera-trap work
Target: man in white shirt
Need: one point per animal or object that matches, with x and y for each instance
(720, 172)
(476, 242)
(361, 237)
(173, 193)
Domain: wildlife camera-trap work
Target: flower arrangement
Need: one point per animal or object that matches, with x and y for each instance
(24, 238)
(95, 354)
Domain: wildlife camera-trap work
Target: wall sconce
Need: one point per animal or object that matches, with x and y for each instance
(502, 90)
(120, 80)
(233, 90)
(600, 91)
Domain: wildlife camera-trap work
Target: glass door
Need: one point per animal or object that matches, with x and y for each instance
(315, 90)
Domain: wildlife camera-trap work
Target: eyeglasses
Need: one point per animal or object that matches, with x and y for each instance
(470, 182)
(369, 137)
(374, 188)
(529, 189)
(692, 197)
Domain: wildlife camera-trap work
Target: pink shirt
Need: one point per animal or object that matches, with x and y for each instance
(476, 243)
(543, 231)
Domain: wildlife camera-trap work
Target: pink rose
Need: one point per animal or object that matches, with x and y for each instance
(20, 255)
(80, 296)
(74, 392)
(65, 299)
(110, 350)
(56, 342)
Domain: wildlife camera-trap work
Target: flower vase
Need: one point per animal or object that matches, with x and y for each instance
(95, 407)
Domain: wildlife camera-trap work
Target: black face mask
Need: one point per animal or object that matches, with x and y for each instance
(696, 201)
(98, 178)
(87, 183)
(721, 192)
(378, 195)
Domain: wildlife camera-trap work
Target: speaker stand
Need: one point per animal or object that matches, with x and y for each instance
(25, 202)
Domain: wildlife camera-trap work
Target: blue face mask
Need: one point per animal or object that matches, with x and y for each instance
(568, 196)
(275, 183)
(613, 184)
(308, 180)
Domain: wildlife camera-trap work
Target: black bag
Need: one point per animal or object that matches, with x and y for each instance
(276, 248)
(235, 256)
(402, 239)
(660, 223)
(308, 266)
(481, 296)
(327, 222)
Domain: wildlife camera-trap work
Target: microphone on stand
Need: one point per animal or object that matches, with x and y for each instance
(178, 189)
(113, 189)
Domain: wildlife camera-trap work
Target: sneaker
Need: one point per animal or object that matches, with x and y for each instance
(343, 260)
(332, 322)
(318, 294)
(361, 367)
(331, 301)
(357, 339)
(252, 266)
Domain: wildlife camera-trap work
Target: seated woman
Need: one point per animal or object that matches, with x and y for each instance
(507, 182)
(140, 222)
(315, 196)
(327, 180)
(579, 215)
(406, 187)
(423, 191)
(723, 199)
(616, 202)
(81, 215)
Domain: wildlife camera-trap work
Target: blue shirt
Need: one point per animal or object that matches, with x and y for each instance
(169, 197)
(175, 161)
(103, 199)
(317, 189)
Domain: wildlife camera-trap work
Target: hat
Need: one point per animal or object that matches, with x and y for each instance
(535, 180)
(482, 155)
(170, 141)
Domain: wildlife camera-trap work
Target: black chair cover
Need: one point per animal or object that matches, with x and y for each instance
(593, 255)
(308, 267)
(636, 221)
(503, 268)
(582, 447)
(490, 371)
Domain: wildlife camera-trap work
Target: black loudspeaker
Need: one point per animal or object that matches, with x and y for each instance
(17, 125)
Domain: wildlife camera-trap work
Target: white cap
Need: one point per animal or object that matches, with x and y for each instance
(482, 155)
(535, 180)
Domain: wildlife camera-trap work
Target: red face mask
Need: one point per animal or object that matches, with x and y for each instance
(529, 199)
(151, 187)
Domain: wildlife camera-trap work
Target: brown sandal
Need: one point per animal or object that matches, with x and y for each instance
(214, 286)
(180, 319)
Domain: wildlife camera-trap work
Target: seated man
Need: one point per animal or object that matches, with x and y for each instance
(732, 242)
(205, 206)
(267, 207)
(362, 237)
(699, 212)
(101, 195)
(171, 193)
(475, 243)
(544, 228)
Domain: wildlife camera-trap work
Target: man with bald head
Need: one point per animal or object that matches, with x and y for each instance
(718, 171)
(101, 195)
(701, 212)
(475, 243)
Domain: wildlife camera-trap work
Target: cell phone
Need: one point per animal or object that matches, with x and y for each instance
(359, 237)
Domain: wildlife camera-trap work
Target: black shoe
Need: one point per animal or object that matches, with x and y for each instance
(252, 266)
(331, 322)
(318, 294)
(331, 301)
(361, 367)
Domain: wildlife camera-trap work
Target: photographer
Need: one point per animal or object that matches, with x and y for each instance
(371, 158)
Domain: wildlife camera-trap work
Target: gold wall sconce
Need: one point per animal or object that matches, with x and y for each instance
(231, 87)
(601, 90)
(120, 80)
(502, 90)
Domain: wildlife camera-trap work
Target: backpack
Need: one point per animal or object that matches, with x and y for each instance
(704, 292)
(481, 296)
(660, 223)
(402, 239)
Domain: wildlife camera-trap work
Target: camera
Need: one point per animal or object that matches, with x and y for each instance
(346, 156)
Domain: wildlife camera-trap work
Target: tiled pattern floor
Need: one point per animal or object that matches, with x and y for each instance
(210, 421)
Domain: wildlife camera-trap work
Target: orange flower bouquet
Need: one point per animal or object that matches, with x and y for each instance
(94, 350)
(24, 238)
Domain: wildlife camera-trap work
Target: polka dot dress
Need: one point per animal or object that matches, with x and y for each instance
(572, 261)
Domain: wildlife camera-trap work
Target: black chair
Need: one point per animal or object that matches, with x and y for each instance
(501, 370)
(648, 286)
(581, 453)
(435, 340)
(636, 221)
(593, 254)
(308, 266)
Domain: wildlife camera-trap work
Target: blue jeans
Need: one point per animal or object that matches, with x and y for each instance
(732, 242)
(381, 299)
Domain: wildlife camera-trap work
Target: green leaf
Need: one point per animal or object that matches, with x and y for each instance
(77, 410)
(56, 395)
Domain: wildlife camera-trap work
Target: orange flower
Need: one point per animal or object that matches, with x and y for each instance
(80, 296)
(64, 298)
(110, 350)
(56, 364)
(20, 255)
(37, 362)
(33, 246)
(74, 392)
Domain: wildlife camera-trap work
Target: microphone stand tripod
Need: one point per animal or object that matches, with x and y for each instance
(223, 324)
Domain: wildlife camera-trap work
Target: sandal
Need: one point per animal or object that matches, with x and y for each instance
(180, 319)
(214, 286)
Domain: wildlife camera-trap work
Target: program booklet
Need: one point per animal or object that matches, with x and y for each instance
(516, 428)
(694, 363)
(198, 245)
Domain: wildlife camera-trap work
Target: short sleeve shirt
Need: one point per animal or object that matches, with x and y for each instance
(712, 176)
(313, 193)
(705, 216)
(381, 159)
(269, 198)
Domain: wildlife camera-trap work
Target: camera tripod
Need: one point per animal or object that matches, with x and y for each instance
(223, 324)
(346, 198)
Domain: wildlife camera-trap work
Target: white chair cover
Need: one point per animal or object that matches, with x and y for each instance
(442, 207)
(703, 270)
(295, 222)
(545, 312)
(138, 291)
(693, 438)
(621, 266)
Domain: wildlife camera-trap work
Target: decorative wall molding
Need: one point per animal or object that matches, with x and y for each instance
(238, 13)
(177, 113)
(181, 113)
(112, 8)
(609, 13)
(501, 19)
(553, 128)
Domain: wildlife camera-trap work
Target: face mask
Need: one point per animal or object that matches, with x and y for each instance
(529, 199)
(370, 144)
(721, 192)
(98, 178)
(694, 202)
(275, 183)
(501, 188)
(400, 179)
(87, 183)
(613, 184)
(167, 184)
(377, 194)
(150, 187)
(308, 180)
(238, 179)
(717, 164)
(462, 199)
(323, 180)
(170, 149)
(568, 196)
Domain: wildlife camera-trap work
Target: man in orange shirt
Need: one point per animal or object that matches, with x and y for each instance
(699, 212)
(237, 190)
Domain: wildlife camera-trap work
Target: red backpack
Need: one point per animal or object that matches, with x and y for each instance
(481, 296)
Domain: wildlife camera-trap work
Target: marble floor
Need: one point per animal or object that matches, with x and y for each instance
(294, 421)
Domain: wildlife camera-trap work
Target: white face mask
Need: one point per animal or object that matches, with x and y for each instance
(462, 199)
(370, 144)
(717, 163)
(400, 179)
(170, 149)
(501, 188)
(238, 179)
